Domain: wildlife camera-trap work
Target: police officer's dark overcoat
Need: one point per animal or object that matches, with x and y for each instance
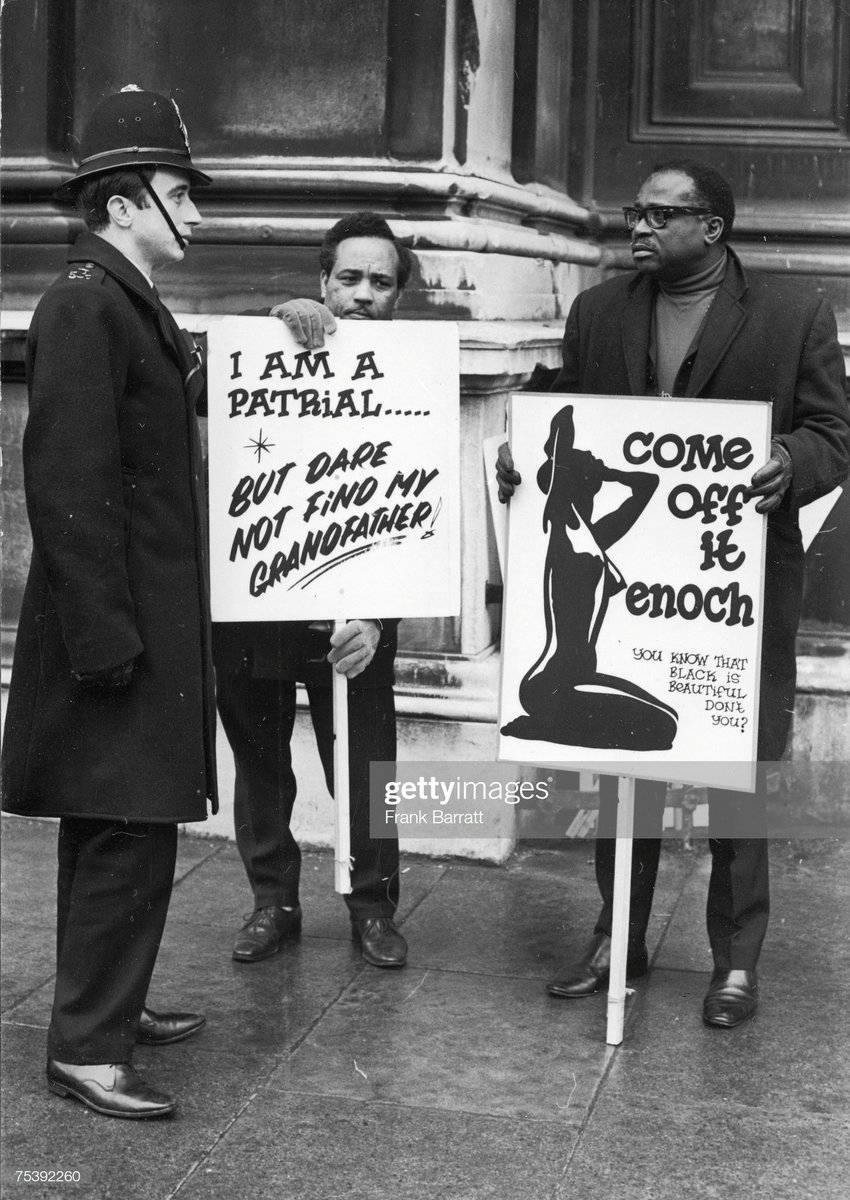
(112, 467)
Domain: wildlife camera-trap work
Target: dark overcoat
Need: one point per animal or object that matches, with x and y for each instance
(113, 481)
(764, 338)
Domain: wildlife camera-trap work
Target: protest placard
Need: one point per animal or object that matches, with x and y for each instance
(334, 477)
(633, 606)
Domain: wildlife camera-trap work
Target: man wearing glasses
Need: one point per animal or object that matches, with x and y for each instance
(692, 323)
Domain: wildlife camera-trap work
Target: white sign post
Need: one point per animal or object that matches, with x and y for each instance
(620, 911)
(342, 796)
(633, 599)
(334, 481)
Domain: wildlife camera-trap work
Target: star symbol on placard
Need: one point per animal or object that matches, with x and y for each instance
(259, 444)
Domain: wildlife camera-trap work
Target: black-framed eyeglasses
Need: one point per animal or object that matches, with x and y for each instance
(657, 215)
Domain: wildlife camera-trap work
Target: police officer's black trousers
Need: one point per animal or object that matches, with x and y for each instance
(113, 888)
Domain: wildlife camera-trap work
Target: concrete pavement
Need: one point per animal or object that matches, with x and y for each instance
(319, 1077)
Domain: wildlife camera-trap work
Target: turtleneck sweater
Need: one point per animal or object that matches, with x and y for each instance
(681, 307)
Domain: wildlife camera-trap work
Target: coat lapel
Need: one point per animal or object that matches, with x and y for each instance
(636, 323)
(723, 323)
(188, 355)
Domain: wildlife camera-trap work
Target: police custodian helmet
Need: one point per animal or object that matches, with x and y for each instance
(132, 128)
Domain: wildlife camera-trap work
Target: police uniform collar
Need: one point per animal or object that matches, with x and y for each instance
(89, 248)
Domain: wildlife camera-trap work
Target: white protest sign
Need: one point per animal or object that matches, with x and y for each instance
(633, 604)
(334, 473)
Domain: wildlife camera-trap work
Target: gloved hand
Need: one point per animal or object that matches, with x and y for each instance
(353, 647)
(771, 481)
(507, 478)
(307, 320)
(108, 682)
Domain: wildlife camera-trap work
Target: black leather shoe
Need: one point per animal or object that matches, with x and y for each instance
(264, 930)
(116, 1089)
(731, 998)
(380, 941)
(593, 969)
(161, 1029)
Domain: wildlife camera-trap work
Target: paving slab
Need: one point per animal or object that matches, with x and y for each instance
(810, 911)
(487, 921)
(27, 958)
(193, 852)
(264, 1006)
(528, 918)
(441, 1040)
(297, 1147)
(28, 855)
(128, 1160)
(757, 1065)
(661, 1148)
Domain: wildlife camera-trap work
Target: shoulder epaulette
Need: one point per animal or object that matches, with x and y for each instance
(84, 271)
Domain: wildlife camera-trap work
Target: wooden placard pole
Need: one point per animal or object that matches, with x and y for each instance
(620, 924)
(342, 821)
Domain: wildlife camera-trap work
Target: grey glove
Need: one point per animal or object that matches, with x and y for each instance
(307, 320)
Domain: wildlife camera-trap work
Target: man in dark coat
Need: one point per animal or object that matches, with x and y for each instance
(111, 715)
(363, 271)
(692, 322)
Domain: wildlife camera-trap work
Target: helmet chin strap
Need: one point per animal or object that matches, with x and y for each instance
(181, 241)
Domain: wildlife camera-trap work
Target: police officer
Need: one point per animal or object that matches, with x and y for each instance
(110, 723)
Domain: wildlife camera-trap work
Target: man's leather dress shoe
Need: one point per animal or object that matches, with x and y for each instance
(731, 998)
(161, 1029)
(264, 930)
(381, 943)
(114, 1089)
(593, 969)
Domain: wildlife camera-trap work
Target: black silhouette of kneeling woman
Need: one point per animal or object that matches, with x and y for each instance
(566, 698)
